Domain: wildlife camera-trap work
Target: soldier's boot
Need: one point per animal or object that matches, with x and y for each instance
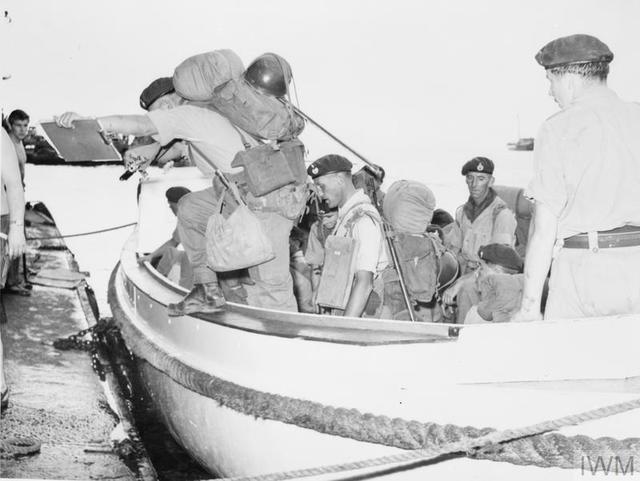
(202, 298)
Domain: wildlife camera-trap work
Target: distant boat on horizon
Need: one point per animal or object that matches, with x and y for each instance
(523, 143)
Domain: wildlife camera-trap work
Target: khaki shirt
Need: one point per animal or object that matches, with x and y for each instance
(211, 133)
(495, 225)
(587, 164)
(372, 251)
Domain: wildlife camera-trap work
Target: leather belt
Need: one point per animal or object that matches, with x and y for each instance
(626, 236)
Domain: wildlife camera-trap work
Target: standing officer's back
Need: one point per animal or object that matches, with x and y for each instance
(585, 186)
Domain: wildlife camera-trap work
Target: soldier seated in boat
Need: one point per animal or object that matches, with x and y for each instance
(484, 219)
(353, 275)
(167, 259)
(499, 281)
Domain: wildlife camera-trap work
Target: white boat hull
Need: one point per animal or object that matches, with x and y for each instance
(499, 376)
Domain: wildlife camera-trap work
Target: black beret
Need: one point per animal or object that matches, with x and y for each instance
(155, 90)
(174, 194)
(501, 255)
(573, 49)
(329, 164)
(478, 164)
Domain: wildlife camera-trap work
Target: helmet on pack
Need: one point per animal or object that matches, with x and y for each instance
(269, 74)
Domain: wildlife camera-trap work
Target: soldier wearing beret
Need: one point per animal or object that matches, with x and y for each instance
(499, 281)
(359, 219)
(213, 141)
(586, 224)
(484, 219)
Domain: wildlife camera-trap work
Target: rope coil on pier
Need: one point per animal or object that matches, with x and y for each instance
(14, 447)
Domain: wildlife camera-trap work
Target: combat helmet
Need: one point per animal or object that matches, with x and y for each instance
(269, 74)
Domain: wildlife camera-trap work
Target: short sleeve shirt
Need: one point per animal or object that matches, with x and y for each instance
(587, 164)
(212, 140)
(372, 252)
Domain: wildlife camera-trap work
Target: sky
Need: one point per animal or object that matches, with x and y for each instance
(410, 84)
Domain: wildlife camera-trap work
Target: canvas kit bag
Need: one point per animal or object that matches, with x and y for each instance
(267, 167)
(215, 80)
(239, 241)
(274, 177)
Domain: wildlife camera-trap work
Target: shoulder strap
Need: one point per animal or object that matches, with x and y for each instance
(164, 149)
(359, 214)
(353, 214)
(459, 215)
(244, 140)
(499, 207)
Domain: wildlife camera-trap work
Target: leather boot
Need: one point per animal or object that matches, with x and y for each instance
(237, 294)
(202, 298)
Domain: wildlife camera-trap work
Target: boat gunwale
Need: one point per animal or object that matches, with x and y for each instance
(325, 327)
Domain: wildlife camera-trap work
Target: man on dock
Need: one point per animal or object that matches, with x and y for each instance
(18, 122)
(19, 128)
(586, 224)
(12, 239)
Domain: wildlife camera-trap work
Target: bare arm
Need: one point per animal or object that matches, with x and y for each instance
(362, 286)
(12, 181)
(123, 124)
(539, 253)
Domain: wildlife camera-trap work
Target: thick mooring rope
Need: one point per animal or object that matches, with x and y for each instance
(468, 446)
(528, 448)
(14, 447)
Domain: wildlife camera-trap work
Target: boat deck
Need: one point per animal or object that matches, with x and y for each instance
(55, 397)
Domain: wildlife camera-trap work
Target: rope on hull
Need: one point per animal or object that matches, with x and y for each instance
(425, 440)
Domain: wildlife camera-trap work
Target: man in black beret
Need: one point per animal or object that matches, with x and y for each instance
(155, 91)
(483, 219)
(158, 95)
(499, 283)
(357, 219)
(586, 224)
(213, 142)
